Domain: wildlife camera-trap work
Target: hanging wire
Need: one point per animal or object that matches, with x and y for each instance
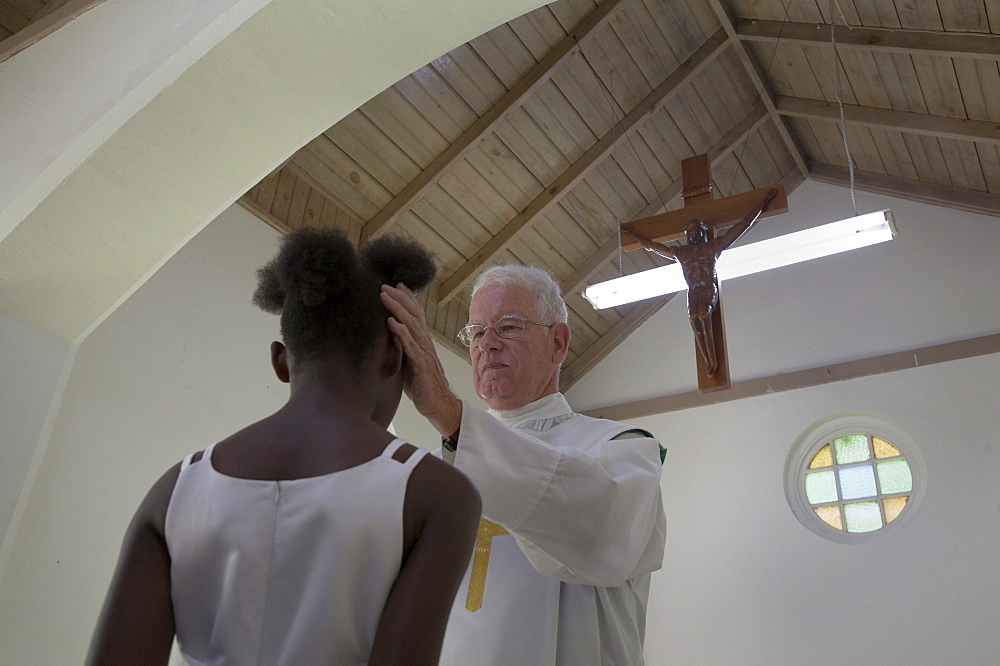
(840, 103)
(760, 95)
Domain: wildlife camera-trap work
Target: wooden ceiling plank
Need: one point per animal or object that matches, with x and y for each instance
(371, 149)
(550, 109)
(610, 339)
(403, 124)
(984, 203)
(532, 146)
(759, 83)
(609, 248)
(989, 158)
(465, 73)
(477, 196)
(266, 217)
(579, 169)
(963, 45)
(385, 217)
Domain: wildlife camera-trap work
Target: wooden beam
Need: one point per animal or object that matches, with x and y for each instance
(264, 216)
(760, 85)
(48, 20)
(472, 135)
(609, 249)
(583, 166)
(962, 129)
(875, 365)
(610, 339)
(925, 42)
(959, 198)
(669, 226)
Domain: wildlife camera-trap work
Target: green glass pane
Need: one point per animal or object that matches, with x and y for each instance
(852, 448)
(857, 482)
(862, 516)
(894, 476)
(821, 487)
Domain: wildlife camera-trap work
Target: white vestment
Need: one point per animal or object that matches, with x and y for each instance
(569, 585)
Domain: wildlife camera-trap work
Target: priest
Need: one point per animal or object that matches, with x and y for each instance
(573, 521)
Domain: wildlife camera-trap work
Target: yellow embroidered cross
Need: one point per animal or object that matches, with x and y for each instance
(480, 561)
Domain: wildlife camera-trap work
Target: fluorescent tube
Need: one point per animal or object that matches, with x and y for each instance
(850, 234)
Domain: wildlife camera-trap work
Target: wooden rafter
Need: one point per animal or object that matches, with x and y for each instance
(956, 45)
(760, 85)
(584, 165)
(609, 249)
(610, 339)
(914, 123)
(875, 365)
(511, 100)
(960, 198)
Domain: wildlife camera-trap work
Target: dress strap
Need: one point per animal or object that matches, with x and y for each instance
(410, 462)
(207, 455)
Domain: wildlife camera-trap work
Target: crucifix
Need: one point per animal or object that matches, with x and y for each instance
(699, 219)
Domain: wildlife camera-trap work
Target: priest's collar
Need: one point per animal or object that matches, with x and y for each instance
(550, 406)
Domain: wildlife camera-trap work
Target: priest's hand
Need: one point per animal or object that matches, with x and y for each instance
(425, 383)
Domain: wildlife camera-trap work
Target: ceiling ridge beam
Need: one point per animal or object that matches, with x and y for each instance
(963, 129)
(609, 249)
(926, 42)
(472, 135)
(760, 85)
(836, 372)
(959, 198)
(577, 171)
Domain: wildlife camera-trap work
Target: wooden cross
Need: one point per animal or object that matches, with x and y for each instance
(716, 213)
(480, 561)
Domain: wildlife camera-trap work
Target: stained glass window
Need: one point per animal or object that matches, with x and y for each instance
(857, 482)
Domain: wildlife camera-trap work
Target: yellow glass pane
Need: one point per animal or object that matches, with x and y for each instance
(830, 515)
(884, 449)
(823, 458)
(893, 507)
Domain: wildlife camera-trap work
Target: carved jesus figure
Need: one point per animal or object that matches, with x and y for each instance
(698, 259)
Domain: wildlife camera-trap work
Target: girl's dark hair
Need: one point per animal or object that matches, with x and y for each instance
(328, 294)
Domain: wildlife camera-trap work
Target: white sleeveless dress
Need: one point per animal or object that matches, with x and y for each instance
(285, 572)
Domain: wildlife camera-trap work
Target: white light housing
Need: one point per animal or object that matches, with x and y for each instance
(850, 234)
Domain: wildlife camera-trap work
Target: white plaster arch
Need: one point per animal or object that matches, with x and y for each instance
(286, 73)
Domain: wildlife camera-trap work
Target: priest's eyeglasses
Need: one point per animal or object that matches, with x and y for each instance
(507, 327)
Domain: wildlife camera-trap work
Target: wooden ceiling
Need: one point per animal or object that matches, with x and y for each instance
(529, 143)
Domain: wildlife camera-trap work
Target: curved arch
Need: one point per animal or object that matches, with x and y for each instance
(287, 73)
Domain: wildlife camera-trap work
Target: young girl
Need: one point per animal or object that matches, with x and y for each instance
(312, 536)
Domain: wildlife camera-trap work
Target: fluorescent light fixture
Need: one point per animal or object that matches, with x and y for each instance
(814, 243)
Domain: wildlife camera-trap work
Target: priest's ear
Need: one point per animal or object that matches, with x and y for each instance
(561, 336)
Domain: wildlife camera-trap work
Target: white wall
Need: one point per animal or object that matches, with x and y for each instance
(934, 283)
(31, 364)
(182, 363)
(743, 582)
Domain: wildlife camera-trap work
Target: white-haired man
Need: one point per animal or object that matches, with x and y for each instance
(573, 503)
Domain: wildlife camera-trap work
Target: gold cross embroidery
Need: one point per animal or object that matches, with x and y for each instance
(480, 561)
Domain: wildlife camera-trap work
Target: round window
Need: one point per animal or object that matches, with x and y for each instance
(853, 477)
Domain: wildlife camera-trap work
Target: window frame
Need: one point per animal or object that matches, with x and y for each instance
(824, 432)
